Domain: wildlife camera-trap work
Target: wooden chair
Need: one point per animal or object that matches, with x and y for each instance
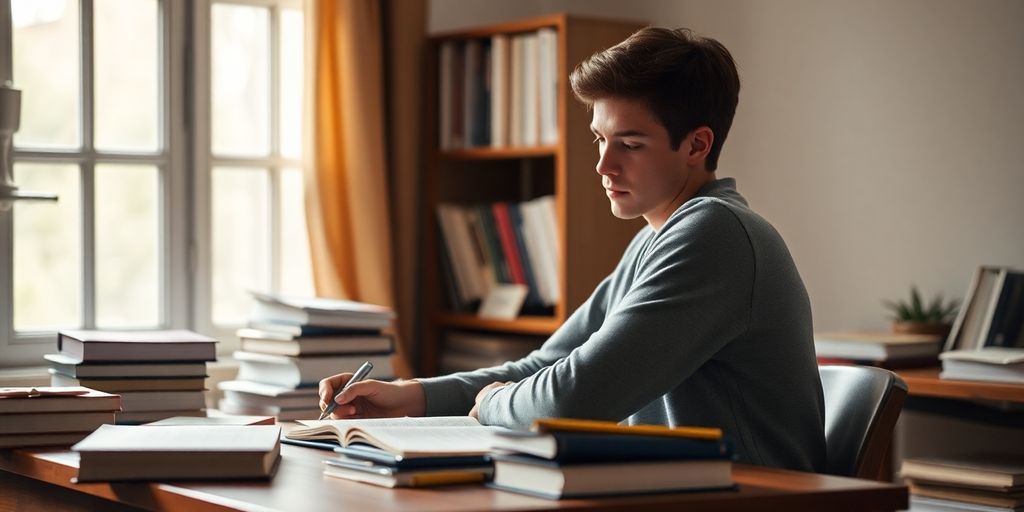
(862, 404)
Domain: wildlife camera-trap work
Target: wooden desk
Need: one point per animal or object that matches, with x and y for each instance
(926, 382)
(300, 485)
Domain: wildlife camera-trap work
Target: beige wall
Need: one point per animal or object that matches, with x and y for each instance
(884, 140)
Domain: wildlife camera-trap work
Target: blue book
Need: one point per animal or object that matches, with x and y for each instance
(582, 447)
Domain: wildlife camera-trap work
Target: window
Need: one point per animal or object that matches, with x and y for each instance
(172, 204)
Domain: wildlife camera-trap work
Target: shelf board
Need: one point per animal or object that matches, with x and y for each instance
(522, 325)
(508, 153)
(926, 382)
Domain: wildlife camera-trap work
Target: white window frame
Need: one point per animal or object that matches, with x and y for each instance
(27, 348)
(203, 161)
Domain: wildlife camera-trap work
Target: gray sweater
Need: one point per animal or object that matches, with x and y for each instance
(705, 322)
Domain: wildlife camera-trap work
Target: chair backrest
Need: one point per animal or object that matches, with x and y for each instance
(862, 404)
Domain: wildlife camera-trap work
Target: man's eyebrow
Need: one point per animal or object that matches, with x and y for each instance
(623, 133)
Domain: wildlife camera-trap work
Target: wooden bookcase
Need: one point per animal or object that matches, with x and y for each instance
(591, 240)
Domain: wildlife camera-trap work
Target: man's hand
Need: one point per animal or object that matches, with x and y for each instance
(373, 398)
(475, 411)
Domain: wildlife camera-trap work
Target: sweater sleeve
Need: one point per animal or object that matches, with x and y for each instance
(690, 296)
(455, 394)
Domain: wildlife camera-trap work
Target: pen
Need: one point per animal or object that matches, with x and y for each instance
(360, 374)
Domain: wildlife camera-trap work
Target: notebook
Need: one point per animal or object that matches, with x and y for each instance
(438, 436)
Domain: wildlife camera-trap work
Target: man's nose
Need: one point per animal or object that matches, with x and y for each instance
(606, 163)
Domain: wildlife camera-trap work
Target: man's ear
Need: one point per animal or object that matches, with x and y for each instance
(700, 140)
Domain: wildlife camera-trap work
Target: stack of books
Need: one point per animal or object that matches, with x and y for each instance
(145, 452)
(887, 350)
(993, 311)
(402, 452)
(292, 343)
(52, 416)
(989, 364)
(471, 350)
(563, 458)
(158, 374)
(977, 482)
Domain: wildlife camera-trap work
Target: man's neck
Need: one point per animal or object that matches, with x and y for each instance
(694, 183)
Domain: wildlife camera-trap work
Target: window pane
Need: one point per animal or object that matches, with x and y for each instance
(296, 267)
(241, 241)
(291, 82)
(46, 69)
(127, 61)
(48, 249)
(127, 246)
(240, 74)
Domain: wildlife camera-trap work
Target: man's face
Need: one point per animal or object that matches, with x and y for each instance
(641, 174)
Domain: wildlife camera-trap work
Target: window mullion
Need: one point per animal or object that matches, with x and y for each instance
(88, 168)
(275, 249)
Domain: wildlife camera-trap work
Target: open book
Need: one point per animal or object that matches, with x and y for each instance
(439, 436)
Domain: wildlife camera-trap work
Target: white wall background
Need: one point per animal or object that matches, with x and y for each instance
(884, 140)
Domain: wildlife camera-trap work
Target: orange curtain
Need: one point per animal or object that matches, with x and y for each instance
(348, 197)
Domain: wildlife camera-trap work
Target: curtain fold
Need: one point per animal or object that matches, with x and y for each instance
(350, 182)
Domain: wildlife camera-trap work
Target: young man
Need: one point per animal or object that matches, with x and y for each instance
(704, 321)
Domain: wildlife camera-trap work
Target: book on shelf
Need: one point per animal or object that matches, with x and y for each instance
(269, 342)
(115, 385)
(182, 452)
(1002, 472)
(71, 367)
(989, 364)
(233, 420)
(437, 436)
(295, 372)
(137, 401)
(55, 399)
(993, 311)
(966, 495)
(136, 346)
(360, 470)
(876, 346)
(289, 310)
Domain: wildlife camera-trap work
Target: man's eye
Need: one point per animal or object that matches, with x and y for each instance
(631, 147)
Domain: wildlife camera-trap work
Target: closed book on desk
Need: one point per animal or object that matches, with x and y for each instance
(294, 372)
(989, 364)
(579, 447)
(438, 436)
(136, 346)
(270, 308)
(72, 367)
(1010, 500)
(876, 346)
(56, 399)
(181, 452)
(116, 385)
(553, 480)
(992, 471)
(28, 423)
(270, 342)
(393, 476)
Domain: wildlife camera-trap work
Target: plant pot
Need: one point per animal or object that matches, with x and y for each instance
(933, 328)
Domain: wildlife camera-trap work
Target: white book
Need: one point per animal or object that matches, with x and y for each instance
(294, 372)
(321, 311)
(500, 75)
(460, 252)
(548, 82)
(516, 97)
(138, 417)
(73, 367)
(185, 451)
(540, 251)
(990, 364)
(875, 346)
(531, 91)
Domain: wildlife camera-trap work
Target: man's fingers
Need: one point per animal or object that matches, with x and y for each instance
(361, 388)
(328, 385)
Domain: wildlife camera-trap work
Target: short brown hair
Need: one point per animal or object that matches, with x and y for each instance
(687, 81)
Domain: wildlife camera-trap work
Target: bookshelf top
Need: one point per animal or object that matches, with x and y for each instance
(557, 20)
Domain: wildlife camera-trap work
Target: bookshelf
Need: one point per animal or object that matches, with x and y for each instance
(560, 164)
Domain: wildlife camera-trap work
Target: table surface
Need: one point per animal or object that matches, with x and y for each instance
(926, 382)
(300, 485)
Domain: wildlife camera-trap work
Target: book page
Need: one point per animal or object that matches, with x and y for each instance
(425, 440)
(338, 429)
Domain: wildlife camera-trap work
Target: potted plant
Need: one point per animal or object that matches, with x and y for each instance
(914, 316)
